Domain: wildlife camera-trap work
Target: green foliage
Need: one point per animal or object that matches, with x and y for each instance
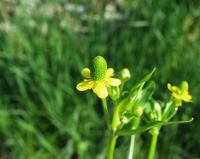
(45, 45)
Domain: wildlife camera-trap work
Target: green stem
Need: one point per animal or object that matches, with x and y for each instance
(111, 147)
(152, 149)
(121, 86)
(135, 123)
(170, 110)
(131, 148)
(106, 113)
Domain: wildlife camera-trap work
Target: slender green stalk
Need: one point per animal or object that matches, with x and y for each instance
(135, 123)
(111, 147)
(121, 86)
(131, 148)
(152, 149)
(106, 113)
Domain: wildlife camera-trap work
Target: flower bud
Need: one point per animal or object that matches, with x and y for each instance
(138, 111)
(124, 120)
(114, 93)
(99, 68)
(125, 74)
(156, 112)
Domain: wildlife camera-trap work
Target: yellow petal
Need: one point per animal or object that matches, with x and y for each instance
(110, 72)
(113, 82)
(86, 73)
(85, 85)
(173, 88)
(177, 96)
(100, 89)
(187, 97)
(169, 86)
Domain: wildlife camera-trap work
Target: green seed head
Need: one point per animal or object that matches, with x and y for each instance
(99, 68)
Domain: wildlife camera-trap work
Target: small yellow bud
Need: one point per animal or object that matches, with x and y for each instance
(125, 74)
(86, 73)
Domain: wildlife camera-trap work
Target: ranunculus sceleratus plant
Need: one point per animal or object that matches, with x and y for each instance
(134, 111)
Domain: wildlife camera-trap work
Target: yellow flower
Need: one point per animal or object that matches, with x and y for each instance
(180, 94)
(99, 78)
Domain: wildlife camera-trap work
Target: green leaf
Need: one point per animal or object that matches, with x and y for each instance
(149, 126)
(143, 80)
(136, 97)
(148, 92)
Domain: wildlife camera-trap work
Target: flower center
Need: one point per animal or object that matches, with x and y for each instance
(99, 68)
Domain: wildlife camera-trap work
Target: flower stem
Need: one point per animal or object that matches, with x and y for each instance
(131, 148)
(111, 147)
(152, 149)
(135, 123)
(106, 113)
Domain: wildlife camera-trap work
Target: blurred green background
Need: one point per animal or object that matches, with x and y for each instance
(45, 44)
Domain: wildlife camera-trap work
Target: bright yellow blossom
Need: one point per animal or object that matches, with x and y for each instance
(99, 79)
(180, 94)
